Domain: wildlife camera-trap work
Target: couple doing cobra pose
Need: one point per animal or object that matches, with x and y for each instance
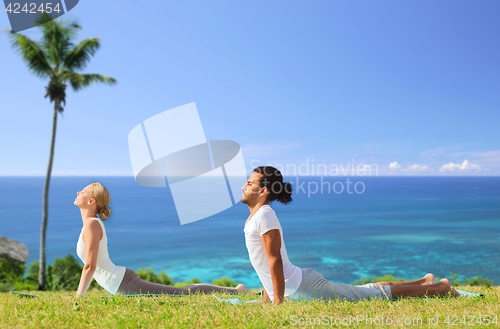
(266, 248)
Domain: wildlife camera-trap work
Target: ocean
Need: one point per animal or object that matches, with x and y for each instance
(404, 226)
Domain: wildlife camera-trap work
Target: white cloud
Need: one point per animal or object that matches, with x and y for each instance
(394, 166)
(450, 167)
(464, 166)
(417, 167)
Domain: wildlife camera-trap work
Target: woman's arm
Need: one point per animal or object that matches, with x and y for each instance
(272, 245)
(92, 233)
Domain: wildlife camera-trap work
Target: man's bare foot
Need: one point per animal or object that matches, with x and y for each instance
(447, 288)
(455, 293)
(429, 279)
(451, 290)
(241, 289)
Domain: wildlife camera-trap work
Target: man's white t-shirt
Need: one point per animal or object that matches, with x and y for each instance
(263, 221)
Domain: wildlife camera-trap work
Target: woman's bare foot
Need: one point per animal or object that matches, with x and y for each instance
(241, 289)
(429, 279)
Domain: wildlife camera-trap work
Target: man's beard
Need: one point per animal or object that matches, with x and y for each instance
(246, 198)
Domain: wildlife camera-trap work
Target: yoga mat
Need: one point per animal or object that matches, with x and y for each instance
(23, 295)
(237, 301)
(135, 295)
(232, 301)
(463, 293)
(469, 294)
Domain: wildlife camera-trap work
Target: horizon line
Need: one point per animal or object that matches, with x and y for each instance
(98, 175)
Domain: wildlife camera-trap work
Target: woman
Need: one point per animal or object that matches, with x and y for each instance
(280, 278)
(92, 248)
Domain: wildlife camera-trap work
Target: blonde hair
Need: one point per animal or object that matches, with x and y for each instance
(102, 198)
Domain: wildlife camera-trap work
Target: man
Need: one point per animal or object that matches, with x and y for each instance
(280, 278)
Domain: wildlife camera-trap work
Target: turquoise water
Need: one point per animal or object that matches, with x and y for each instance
(405, 226)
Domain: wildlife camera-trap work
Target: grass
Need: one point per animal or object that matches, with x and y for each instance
(63, 310)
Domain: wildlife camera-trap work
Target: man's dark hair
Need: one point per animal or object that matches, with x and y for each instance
(273, 181)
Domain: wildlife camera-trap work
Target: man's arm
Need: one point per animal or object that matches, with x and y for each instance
(93, 234)
(272, 245)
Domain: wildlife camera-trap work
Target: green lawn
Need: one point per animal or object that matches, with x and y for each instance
(63, 310)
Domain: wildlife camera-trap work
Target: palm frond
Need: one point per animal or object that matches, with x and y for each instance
(32, 53)
(79, 56)
(57, 36)
(79, 81)
(69, 27)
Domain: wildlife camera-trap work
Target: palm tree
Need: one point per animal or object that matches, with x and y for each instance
(56, 58)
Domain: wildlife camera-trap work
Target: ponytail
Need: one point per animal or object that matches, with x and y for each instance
(104, 213)
(273, 181)
(286, 195)
(102, 198)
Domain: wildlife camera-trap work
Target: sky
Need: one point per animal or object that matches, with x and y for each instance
(402, 87)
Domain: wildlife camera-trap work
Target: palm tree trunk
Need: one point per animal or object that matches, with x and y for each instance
(45, 204)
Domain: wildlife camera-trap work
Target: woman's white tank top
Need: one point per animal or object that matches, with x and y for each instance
(108, 275)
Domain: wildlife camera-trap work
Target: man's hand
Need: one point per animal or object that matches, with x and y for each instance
(260, 302)
(265, 297)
